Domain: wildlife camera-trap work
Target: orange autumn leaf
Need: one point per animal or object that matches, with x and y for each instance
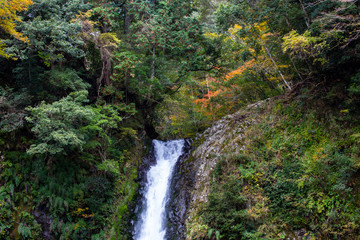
(211, 94)
(240, 70)
(8, 17)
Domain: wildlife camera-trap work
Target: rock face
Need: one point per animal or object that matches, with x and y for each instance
(146, 163)
(42, 216)
(190, 185)
(226, 136)
(180, 188)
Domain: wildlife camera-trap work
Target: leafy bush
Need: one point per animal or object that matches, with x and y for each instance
(226, 212)
(296, 173)
(59, 126)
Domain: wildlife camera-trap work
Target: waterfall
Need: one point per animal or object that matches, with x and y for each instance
(152, 222)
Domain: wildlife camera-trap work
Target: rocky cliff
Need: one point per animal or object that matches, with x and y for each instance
(224, 137)
(277, 169)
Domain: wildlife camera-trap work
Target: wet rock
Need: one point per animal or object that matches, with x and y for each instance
(180, 190)
(42, 216)
(146, 163)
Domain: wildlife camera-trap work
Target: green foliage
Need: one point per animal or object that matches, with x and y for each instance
(12, 104)
(78, 202)
(99, 189)
(315, 37)
(24, 231)
(297, 176)
(73, 137)
(296, 172)
(121, 228)
(16, 203)
(28, 228)
(177, 116)
(51, 34)
(226, 210)
(304, 46)
(75, 152)
(109, 165)
(60, 126)
(164, 35)
(354, 88)
(6, 209)
(65, 79)
(124, 70)
(103, 127)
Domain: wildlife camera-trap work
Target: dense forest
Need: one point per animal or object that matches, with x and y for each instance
(86, 85)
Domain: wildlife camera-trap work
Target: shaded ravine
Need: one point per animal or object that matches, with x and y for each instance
(155, 204)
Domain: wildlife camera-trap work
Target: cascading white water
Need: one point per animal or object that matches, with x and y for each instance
(151, 225)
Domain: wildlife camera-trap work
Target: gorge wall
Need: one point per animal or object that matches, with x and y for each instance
(191, 185)
(225, 136)
(273, 170)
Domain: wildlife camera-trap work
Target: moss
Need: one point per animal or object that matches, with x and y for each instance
(196, 227)
(122, 226)
(297, 169)
(127, 190)
(198, 141)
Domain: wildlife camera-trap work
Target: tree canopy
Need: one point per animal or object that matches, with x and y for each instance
(86, 85)
(8, 15)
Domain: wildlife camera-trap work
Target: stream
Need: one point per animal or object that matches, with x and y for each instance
(152, 222)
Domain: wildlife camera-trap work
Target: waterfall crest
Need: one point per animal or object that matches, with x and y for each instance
(152, 221)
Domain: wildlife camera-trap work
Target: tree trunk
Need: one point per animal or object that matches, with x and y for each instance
(273, 61)
(127, 20)
(105, 71)
(307, 19)
(153, 62)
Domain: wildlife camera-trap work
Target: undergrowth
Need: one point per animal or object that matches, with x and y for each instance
(297, 177)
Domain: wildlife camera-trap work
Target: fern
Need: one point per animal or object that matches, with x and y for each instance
(24, 231)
